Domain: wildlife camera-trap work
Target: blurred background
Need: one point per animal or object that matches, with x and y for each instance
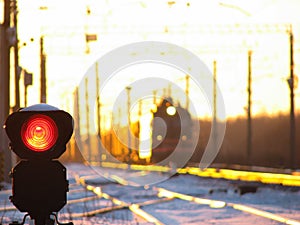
(252, 49)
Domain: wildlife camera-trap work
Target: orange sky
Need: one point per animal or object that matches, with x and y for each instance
(214, 30)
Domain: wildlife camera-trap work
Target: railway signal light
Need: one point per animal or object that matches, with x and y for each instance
(39, 135)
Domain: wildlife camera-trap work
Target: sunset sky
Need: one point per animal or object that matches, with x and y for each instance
(213, 30)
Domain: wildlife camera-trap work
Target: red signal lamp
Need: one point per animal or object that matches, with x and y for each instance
(39, 133)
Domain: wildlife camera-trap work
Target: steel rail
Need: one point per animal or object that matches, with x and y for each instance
(162, 192)
(220, 204)
(134, 207)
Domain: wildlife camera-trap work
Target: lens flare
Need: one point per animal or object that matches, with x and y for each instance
(39, 133)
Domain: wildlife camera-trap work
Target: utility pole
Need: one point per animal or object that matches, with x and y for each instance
(128, 89)
(215, 90)
(119, 146)
(249, 121)
(77, 122)
(169, 90)
(87, 111)
(98, 112)
(187, 91)
(111, 133)
(98, 99)
(27, 82)
(43, 96)
(164, 92)
(140, 125)
(215, 103)
(292, 102)
(6, 159)
(154, 97)
(17, 69)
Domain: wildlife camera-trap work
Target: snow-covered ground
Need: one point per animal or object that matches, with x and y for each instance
(278, 200)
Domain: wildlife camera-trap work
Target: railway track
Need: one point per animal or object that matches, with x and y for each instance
(155, 196)
(234, 172)
(92, 197)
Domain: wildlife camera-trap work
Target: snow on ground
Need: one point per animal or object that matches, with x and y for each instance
(275, 199)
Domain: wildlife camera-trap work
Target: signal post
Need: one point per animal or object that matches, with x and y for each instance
(38, 136)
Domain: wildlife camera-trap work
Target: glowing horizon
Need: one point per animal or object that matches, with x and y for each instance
(225, 38)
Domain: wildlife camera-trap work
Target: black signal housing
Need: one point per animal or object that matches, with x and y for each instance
(15, 121)
(38, 135)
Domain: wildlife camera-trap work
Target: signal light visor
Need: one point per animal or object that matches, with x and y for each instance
(39, 133)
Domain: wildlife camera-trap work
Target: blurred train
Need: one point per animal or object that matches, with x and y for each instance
(170, 125)
(173, 124)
